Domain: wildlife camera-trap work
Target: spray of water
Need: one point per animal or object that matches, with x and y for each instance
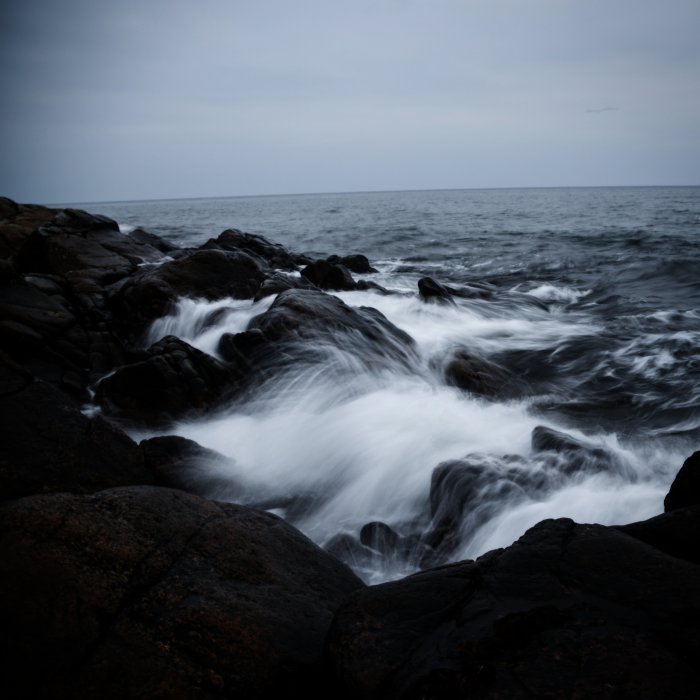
(336, 443)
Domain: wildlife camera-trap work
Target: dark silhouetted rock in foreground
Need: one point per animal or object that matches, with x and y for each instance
(685, 489)
(568, 611)
(174, 380)
(17, 221)
(49, 445)
(85, 247)
(149, 592)
(676, 532)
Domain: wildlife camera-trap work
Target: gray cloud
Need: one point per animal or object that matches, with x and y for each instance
(167, 99)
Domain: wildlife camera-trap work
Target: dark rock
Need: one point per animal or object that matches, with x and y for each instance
(150, 592)
(17, 222)
(49, 445)
(48, 330)
(327, 276)
(279, 282)
(465, 493)
(676, 532)
(478, 376)
(207, 274)
(430, 290)
(685, 489)
(380, 537)
(367, 285)
(174, 381)
(91, 247)
(352, 553)
(568, 611)
(272, 254)
(142, 236)
(354, 263)
(298, 316)
(184, 464)
(577, 456)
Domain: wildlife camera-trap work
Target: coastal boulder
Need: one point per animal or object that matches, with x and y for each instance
(48, 445)
(430, 290)
(569, 610)
(180, 463)
(173, 380)
(254, 245)
(204, 274)
(685, 489)
(83, 246)
(355, 263)
(152, 592)
(478, 376)
(306, 325)
(329, 276)
(17, 222)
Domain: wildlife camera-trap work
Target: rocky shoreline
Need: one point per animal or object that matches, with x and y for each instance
(122, 578)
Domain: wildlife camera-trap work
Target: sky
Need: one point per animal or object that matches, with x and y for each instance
(121, 100)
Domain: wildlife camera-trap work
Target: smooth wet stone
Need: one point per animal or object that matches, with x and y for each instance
(329, 276)
(174, 380)
(568, 611)
(149, 592)
(48, 445)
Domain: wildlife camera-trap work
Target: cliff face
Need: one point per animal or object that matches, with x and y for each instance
(118, 580)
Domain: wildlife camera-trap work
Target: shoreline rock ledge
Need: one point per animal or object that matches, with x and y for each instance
(114, 585)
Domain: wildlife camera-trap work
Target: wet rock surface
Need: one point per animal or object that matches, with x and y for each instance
(567, 611)
(143, 591)
(202, 274)
(151, 592)
(174, 380)
(307, 315)
(48, 445)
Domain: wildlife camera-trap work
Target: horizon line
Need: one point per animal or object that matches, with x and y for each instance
(350, 192)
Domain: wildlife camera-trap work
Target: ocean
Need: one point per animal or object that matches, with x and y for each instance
(592, 309)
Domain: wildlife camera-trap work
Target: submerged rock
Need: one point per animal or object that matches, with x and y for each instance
(576, 455)
(151, 592)
(569, 610)
(479, 376)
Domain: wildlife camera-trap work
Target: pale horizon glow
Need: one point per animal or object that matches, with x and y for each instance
(166, 100)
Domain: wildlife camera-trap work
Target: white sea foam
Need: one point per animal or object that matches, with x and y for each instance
(561, 295)
(354, 445)
(201, 323)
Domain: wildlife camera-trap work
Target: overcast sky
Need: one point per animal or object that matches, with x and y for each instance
(141, 99)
